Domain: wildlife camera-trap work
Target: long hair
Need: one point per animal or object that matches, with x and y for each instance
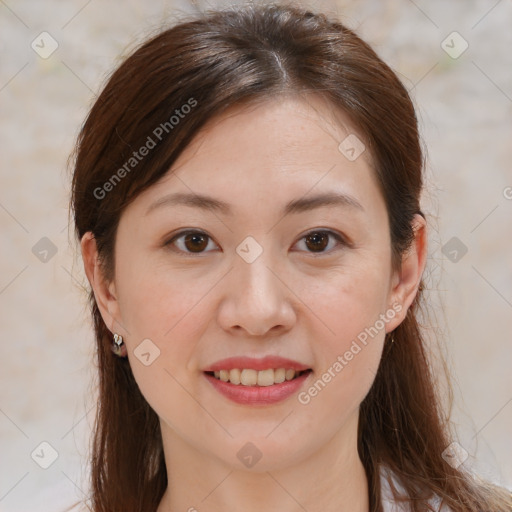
(211, 62)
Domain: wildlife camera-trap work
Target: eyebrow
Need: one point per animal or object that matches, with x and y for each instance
(211, 204)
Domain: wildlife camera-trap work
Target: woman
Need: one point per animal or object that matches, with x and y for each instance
(246, 193)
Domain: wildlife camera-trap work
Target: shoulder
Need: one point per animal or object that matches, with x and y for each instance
(388, 502)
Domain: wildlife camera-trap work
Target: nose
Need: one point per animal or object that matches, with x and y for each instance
(256, 299)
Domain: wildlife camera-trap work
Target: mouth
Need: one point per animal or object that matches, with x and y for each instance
(248, 377)
(251, 387)
(255, 381)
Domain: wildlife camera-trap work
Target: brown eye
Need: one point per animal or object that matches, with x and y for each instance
(190, 242)
(318, 241)
(195, 242)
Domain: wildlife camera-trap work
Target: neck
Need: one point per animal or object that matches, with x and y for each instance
(331, 479)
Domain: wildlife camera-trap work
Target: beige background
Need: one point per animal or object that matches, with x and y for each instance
(465, 109)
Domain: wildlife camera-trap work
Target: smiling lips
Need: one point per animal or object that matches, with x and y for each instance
(254, 381)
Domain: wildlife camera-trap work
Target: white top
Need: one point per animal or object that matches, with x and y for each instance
(62, 496)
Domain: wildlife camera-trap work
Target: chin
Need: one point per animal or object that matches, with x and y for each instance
(258, 453)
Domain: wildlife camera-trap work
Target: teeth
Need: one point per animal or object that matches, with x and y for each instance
(235, 376)
(249, 377)
(289, 374)
(266, 377)
(279, 375)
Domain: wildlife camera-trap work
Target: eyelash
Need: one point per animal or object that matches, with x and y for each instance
(342, 242)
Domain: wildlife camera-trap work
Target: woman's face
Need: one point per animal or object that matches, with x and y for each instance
(276, 271)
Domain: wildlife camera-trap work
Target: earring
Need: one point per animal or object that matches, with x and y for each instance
(117, 344)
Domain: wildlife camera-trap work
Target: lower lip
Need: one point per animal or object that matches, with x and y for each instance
(258, 395)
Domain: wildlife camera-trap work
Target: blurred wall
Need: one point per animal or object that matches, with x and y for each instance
(453, 56)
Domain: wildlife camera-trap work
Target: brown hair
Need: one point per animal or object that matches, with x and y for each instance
(211, 62)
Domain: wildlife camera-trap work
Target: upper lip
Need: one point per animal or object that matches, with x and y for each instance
(263, 363)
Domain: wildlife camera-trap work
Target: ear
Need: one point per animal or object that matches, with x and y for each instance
(407, 279)
(104, 291)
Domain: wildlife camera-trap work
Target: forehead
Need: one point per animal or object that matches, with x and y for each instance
(270, 152)
(287, 140)
(290, 127)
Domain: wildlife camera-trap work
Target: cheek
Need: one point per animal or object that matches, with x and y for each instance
(170, 308)
(343, 377)
(350, 306)
(349, 300)
(155, 301)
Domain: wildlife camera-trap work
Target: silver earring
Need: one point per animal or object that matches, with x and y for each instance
(117, 344)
